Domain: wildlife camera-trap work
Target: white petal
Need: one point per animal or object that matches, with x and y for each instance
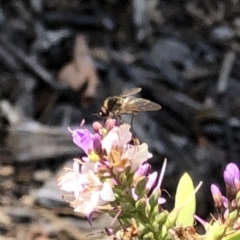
(118, 136)
(85, 208)
(124, 134)
(95, 198)
(76, 168)
(139, 157)
(110, 140)
(89, 166)
(106, 193)
(94, 179)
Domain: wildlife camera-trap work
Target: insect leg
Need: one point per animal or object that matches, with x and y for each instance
(104, 122)
(134, 141)
(132, 120)
(118, 120)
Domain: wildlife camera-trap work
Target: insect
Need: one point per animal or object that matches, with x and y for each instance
(115, 106)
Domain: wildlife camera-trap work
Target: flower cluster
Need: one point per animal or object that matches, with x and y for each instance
(227, 224)
(114, 177)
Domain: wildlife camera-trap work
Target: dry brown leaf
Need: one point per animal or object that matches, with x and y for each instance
(81, 70)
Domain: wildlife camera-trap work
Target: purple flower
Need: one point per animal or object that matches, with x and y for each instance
(73, 181)
(97, 127)
(205, 224)
(237, 184)
(217, 196)
(143, 169)
(161, 200)
(97, 145)
(88, 191)
(225, 202)
(83, 138)
(152, 178)
(134, 195)
(230, 174)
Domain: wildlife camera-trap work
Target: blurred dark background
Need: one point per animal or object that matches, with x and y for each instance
(60, 59)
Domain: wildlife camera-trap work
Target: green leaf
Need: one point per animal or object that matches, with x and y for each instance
(185, 201)
(140, 188)
(235, 236)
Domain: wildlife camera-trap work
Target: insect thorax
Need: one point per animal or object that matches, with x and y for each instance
(113, 103)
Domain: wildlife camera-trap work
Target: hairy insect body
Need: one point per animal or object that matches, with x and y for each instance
(126, 104)
(113, 106)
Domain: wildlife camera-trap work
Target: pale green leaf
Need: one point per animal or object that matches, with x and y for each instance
(235, 236)
(185, 201)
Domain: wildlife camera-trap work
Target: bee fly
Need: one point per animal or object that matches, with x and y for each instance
(115, 106)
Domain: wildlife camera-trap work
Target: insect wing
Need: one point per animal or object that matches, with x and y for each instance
(130, 92)
(140, 105)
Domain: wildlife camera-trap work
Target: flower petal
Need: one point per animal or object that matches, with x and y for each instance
(106, 193)
(83, 139)
(152, 178)
(118, 136)
(137, 155)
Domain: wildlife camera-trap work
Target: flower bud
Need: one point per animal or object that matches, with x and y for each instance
(97, 127)
(148, 210)
(140, 187)
(231, 177)
(217, 196)
(97, 145)
(155, 226)
(232, 217)
(203, 222)
(161, 200)
(110, 124)
(140, 205)
(143, 169)
(237, 184)
(161, 217)
(238, 200)
(148, 236)
(171, 219)
(155, 210)
(231, 172)
(225, 202)
(154, 198)
(151, 181)
(141, 227)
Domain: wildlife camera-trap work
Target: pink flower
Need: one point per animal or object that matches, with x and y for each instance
(73, 181)
(83, 138)
(134, 195)
(89, 166)
(152, 178)
(142, 171)
(217, 195)
(161, 200)
(230, 174)
(97, 145)
(88, 191)
(203, 222)
(89, 201)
